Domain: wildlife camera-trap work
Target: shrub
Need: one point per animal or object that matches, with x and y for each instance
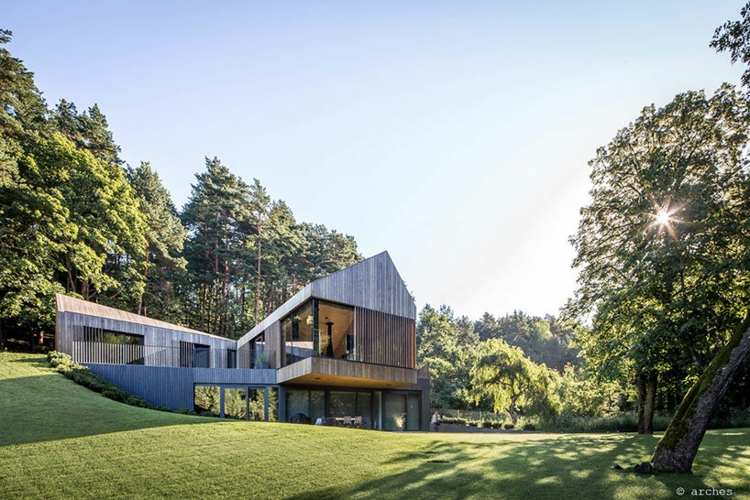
(473, 423)
(207, 414)
(529, 426)
(497, 425)
(163, 408)
(82, 375)
(56, 359)
(622, 422)
(509, 426)
(454, 420)
(486, 424)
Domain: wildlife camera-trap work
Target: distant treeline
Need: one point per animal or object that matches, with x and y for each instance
(75, 219)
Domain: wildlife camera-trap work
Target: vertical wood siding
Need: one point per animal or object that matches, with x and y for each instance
(275, 343)
(161, 345)
(373, 284)
(385, 339)
(173, 387)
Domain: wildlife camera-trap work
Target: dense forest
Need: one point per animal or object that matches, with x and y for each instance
(75, 219)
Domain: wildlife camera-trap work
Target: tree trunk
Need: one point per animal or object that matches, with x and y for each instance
(646, 383)
(204, 294)
(145, 283)
(257, 283)
(512, 410)
(679, 445)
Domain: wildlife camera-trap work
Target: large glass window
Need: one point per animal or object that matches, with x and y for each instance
(412, 412)
(377, 404)
(298, 331)
(273, 404)
(343, 405)
(317, 405)
(395, 406)
(364, 410)
(245, 403)
(206, 399)
(105, 346)
(195, 355)
(257, 404)
(235, 403)
(298, 406)
(319, 328)
(335, 330)
(202, 357)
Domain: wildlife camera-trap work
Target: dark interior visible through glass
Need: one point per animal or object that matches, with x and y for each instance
(319, 328)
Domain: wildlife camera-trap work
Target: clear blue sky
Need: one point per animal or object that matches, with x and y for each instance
(455, 135)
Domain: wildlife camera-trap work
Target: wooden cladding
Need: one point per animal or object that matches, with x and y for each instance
(385, 339)
(316, 371)
(373, 284)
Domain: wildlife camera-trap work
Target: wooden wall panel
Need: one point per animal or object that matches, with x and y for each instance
(275, 343)
(384, 339)
(71, 327)
(373, 284)
(316, 371)
(173, 387)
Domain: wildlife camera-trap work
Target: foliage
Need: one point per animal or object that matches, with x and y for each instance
(399, 420)
(449, 361)
(89, 131)
(513, 382)
(544, 340)
(82, 375)
(733, 36)
(74, 221)
(583, 395)
(247, 254)
(659, 261)
(207, 399)
(22, 108)
(164, 265)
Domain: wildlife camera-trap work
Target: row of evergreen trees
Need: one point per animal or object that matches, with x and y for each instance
(75, 220)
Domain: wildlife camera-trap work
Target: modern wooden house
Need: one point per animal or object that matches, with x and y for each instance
(342, 351)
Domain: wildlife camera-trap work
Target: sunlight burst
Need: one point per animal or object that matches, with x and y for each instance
(662, 218)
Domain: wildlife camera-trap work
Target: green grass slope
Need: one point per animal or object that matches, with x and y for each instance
(59, 440)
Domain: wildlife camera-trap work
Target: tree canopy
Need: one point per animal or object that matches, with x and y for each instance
(75, 220)
(657, 247)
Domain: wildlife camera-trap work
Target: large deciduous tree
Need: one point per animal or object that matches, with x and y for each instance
(513, 382)
(660, 263)
(678, 447)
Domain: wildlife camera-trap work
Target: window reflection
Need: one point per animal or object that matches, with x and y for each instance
(319, 328)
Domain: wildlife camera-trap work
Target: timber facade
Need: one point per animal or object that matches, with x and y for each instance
(342, 351)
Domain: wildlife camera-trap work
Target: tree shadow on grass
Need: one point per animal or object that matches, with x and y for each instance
(572, 466)
(45, 406)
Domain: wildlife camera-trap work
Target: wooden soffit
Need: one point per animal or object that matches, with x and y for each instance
(343, 373)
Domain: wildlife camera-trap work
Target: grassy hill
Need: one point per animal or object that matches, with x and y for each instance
(59, 440)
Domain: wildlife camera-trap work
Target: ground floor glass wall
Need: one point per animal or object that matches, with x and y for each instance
(240, 402)
(352, 408)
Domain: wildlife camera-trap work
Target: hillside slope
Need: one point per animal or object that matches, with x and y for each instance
(59, 440)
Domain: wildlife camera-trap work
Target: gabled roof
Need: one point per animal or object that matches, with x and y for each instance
(78, 306)
(373, 284)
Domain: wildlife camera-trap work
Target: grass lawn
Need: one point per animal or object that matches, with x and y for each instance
(59, 440)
